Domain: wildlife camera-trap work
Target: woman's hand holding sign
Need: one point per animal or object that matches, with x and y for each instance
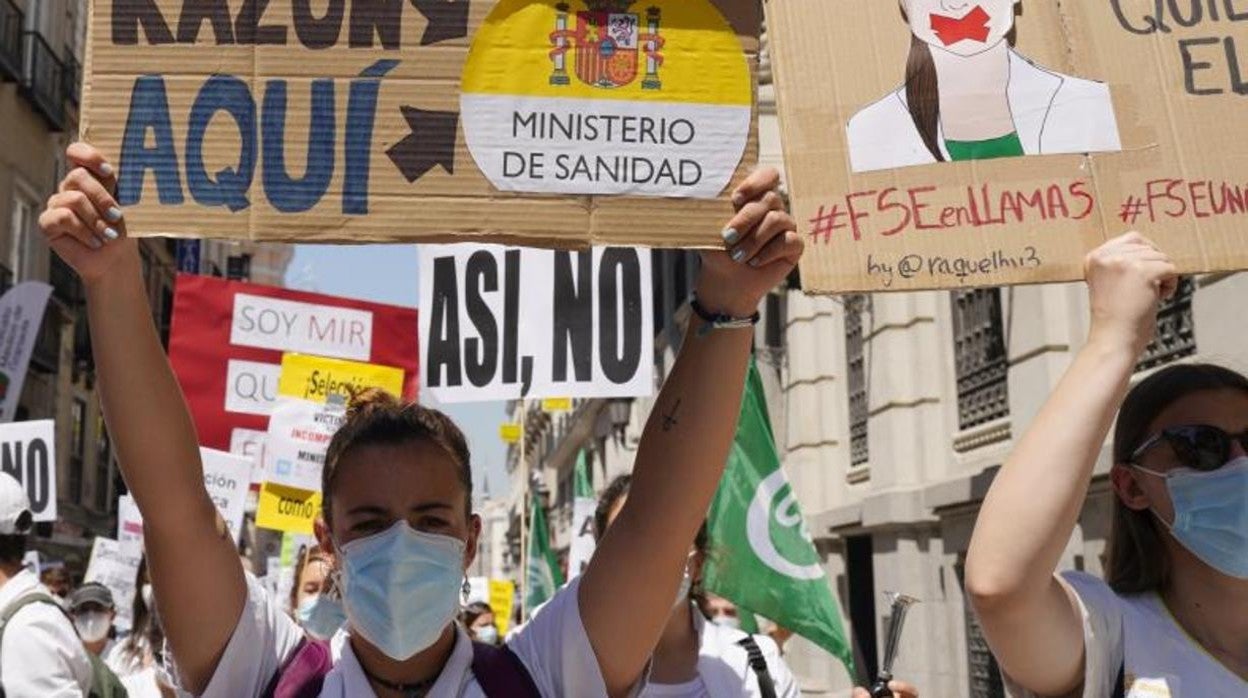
(83, 223)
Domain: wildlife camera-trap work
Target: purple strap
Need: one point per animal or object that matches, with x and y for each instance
(498, 670)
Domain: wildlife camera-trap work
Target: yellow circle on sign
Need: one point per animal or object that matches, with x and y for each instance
(680, 51)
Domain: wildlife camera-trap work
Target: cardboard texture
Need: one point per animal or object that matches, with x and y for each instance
(1060, 125)
(542, 122)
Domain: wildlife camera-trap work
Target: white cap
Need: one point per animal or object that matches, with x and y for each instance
(15, 516)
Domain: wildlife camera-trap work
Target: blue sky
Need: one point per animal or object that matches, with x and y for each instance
(388, 274)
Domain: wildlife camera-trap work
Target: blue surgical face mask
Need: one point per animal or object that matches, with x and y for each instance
(1211, 514)
(321, 616)
(487, 634)
(400, 588)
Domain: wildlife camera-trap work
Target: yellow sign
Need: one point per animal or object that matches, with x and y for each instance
(557, 404)
(287, 509)
(502, 597)
(510, 433)
(314, 378)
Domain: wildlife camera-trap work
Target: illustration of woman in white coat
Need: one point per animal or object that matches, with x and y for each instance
(969, 95)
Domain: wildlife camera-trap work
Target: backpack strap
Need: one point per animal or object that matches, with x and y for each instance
(500, 673)
(303, 674)
(1120, 685)
(758, 662)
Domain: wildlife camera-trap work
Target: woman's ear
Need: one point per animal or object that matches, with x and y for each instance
(1128, 489)
(470, 545)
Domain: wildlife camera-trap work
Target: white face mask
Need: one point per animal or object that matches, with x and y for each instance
(92, 626)
(726, 621)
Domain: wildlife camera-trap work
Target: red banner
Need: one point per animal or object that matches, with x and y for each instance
(228, 338)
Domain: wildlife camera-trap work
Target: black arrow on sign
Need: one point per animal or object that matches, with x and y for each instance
(431, 143)
(448, 19)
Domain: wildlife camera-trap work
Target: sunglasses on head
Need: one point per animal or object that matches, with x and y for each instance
(1198, 446)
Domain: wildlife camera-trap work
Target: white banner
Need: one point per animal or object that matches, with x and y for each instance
(249, 444)
(251, 387)
(305, 328)
(227, 478)
(129, 525)
(21, 314)
(116, 567)
(583, 541)
(28, 453)
(299, 436)
(501, 323)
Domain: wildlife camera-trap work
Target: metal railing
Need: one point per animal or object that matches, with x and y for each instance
(11, 21)
(71, 78)
(44, 79)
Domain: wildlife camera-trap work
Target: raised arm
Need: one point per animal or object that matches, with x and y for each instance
(194, 563)
(627, 592)
(1032, 623)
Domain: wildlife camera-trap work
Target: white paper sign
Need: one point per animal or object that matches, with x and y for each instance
(500, 323)
(251, 387)
(299, 436)
(28, 453)
(227, 478)
(249, 444)
(21, 313)
(304, 328)
(116, 567)
(129, 525)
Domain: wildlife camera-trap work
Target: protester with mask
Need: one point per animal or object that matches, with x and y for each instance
(1169, 619)
(479, 622)
(317, 604)
(93, 610)
(397, 492)
(40, 653)
(137, 659)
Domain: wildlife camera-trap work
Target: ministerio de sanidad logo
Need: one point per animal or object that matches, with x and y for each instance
(618, 97)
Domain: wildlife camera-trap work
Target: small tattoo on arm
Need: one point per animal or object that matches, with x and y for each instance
(669, 419)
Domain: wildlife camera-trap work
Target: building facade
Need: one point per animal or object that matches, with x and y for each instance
(892, 412)
(41, 44)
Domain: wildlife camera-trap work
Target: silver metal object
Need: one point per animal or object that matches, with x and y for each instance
(899, 605)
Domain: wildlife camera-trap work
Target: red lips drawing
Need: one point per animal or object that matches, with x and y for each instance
(972, 27)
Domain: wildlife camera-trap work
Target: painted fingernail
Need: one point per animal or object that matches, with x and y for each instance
(113, 214)
(106, 169)
(755, 262)
(95, 243)
(111, 234)
(738, 254)
(731, 236)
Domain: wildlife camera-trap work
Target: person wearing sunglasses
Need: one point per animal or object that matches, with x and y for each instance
(1169, 618)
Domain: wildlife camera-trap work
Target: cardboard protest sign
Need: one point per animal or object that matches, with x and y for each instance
(930, 147)
(117, 568)
(315, 379)
(227, 478)
(587, 330)
(228, 338)
(357, 121)
(28, 453)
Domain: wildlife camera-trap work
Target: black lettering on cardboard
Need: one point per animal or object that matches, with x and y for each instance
(129, 14)
(1191, 66)
(194, 12)
(318, 32)
(247, 29)
(381, 17)
(1238, 85)
(481, 356)
(573, 316)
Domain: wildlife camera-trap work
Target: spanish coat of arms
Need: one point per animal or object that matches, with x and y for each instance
(608, 45)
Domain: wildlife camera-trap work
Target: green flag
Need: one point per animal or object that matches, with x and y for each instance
(762, 558)
(581, 549)
(544, 577)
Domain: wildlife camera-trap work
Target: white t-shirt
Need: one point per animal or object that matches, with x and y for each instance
(41, 655)
(692, 689)
(1139, 635)
(137, 672)
(553, 647)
